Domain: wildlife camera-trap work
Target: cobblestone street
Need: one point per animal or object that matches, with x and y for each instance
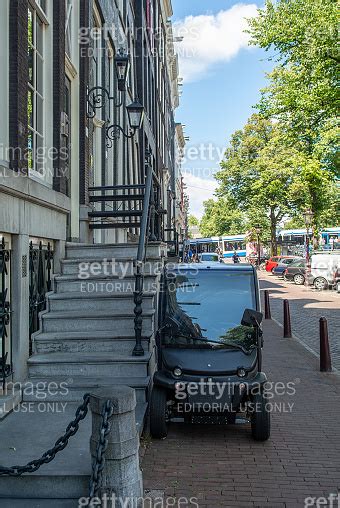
(307, 305)
(223, 467)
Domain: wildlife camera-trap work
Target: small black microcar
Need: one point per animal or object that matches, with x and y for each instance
(209, 347)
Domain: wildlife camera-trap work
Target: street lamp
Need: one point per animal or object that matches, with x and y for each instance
(135, 112)
(258, 231)
(122, 64)
(308, 218)
(98, 95)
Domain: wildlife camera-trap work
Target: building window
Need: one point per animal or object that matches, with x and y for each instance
(68, 27)
(35, 98)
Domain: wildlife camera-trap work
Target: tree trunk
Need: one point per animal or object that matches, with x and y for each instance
(273, 240)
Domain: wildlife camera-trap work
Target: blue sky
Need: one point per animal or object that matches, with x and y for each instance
(222, 79)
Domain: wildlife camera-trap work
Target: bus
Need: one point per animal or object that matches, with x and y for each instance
(226, 244)
(234, 243)
(293, 241)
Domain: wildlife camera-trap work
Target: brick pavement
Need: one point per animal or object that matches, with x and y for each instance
(222, 466)
(307, 305)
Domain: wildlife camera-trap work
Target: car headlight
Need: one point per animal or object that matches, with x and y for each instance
(241, 372)
(177, 372)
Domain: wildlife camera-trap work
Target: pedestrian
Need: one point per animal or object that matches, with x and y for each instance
(236, 257)
(190, 254)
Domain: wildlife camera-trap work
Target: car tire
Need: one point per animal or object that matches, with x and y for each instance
(320, 283)
(272, 270)
(338, 287)
(260, 419)
(299, 279)
(231, 418)
(158, 413)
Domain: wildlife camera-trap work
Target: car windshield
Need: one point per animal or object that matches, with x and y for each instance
(209, 305)
(209, 257)
(298, 262)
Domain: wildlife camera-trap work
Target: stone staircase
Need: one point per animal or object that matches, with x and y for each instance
(86, 335)
(85, 341)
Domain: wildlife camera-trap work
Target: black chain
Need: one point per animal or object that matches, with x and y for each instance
(98, 464)
(60, 444)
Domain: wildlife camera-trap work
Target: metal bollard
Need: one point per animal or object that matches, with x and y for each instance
(267, 312)
(121, 475)
(325, 354)
(287, 327)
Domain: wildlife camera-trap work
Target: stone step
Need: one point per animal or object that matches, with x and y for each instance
(118, 323)
(85, 268)
(67, 476)
(85, 342)
(94, 285)
(109, 251)
(88, 365)
(108, 302)
(72, 389)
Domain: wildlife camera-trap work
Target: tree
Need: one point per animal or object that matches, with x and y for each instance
(221, 217)
(261, 174)
(193, 221)
(303, 35)
(302, 91)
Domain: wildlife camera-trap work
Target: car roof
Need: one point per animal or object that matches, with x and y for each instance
(239, 267)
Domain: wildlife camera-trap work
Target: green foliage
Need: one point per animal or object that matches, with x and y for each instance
(303, 36)
(221, 217)
(302, 95)
(193, 221)
(262, 174)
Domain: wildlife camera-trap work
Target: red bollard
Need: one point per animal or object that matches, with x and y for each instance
(325, 354)
(287, 327)
(267, 313)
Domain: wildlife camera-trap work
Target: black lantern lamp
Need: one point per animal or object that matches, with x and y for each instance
(135, 112)
(98, 95)
(122, 63)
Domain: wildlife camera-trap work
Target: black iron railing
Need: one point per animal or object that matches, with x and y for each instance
(147, 222)
(40, 271)
(5, 315)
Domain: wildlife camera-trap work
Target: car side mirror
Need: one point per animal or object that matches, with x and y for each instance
(251, 317)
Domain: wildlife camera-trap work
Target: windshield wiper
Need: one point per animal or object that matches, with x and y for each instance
(232, 344)
(188, 303)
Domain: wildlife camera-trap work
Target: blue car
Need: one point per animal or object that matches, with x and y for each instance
(281, 267)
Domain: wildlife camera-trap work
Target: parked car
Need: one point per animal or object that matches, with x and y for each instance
(323, 268)
(272, 262)
(208, 257)
(296, 272)
(221, 346)
(282, 265)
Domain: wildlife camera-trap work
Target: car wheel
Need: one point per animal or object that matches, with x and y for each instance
(299, 279)
(158, 413)
(273, 270)
(260, 420)
(320, 283)
(338, 287)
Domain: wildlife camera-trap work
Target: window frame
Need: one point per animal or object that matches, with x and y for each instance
(37, 90)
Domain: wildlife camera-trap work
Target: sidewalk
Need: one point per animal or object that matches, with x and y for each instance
(223, 467)
(307, 305)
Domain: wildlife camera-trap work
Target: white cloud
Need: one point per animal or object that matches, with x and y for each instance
(199, 190)
(211, 39)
